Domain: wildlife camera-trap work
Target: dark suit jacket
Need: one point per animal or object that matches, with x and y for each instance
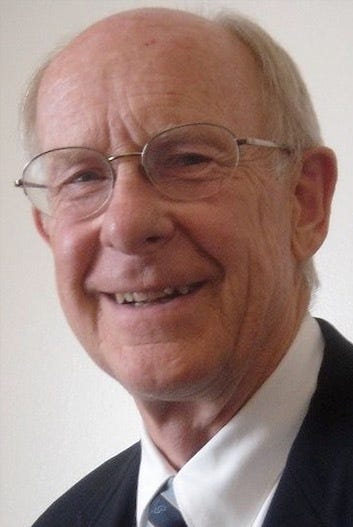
(316, 488)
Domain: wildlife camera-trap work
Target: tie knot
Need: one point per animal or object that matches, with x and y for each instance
(163, 510)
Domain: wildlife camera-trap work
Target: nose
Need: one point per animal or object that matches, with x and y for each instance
(137, 218)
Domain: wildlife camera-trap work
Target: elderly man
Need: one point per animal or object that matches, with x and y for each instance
(181, 183)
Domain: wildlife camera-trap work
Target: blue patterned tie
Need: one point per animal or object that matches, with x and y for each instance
(163, 510)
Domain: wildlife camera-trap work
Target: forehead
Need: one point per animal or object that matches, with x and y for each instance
(153, 68)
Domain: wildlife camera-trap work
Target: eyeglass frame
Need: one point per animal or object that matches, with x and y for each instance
(245, 141)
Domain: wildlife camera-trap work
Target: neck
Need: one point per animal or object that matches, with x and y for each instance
(180, 428)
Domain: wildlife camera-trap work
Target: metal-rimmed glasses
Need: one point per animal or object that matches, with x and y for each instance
(185, 162)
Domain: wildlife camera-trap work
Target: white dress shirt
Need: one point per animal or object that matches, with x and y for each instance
(231, 481)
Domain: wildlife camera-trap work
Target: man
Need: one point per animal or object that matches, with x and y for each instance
(181, 183)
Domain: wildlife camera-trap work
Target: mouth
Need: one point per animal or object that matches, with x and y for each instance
(147, 298)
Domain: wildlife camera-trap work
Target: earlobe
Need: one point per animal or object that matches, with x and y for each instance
(312, 197)
(41, 223)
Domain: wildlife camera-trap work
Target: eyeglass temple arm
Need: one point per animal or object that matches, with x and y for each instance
(252, 141)
(19, 183)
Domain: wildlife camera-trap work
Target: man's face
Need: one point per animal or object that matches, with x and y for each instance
(228, 256)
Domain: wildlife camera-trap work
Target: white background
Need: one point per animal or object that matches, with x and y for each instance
(61, 416)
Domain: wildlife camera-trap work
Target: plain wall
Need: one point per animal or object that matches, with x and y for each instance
(61, 416)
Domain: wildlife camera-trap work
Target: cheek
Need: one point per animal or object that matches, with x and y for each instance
(74, 250)
(271, 245)
(251, 238)
(72, 257)
(246, 223)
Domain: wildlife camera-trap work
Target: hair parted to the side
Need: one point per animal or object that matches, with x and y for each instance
(287, 105)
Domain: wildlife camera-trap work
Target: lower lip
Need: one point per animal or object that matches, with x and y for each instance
(157, 322)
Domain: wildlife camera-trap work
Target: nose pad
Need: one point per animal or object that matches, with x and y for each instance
(137, 218)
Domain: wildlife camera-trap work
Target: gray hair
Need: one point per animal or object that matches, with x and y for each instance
(286, 101)
(29, 107)
(287, 105)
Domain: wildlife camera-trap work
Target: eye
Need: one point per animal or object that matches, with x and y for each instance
(178, 161)
(191, 159)
(87, 176)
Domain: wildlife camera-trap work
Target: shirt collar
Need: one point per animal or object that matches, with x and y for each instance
(228, 481)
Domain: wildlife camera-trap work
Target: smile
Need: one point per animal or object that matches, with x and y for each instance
(142, 298)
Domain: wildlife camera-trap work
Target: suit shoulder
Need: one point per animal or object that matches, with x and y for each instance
(93, 489)
(335, 383)
(320, 462)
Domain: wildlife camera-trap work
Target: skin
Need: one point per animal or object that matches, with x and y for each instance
(193, 362)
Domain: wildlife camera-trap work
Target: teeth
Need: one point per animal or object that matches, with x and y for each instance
(129, 297)
(141, 298)
(184, 290)
(138, 297)
(119, 298)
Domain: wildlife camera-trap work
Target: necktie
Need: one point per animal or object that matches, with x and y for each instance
(163, 510)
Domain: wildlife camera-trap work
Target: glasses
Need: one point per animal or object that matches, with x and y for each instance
(186, 162)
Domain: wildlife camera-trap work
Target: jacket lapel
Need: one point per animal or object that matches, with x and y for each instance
(316, 485)
(114, 502)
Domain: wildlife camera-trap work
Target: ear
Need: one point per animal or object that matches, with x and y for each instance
(312, 192)
(41, 223)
